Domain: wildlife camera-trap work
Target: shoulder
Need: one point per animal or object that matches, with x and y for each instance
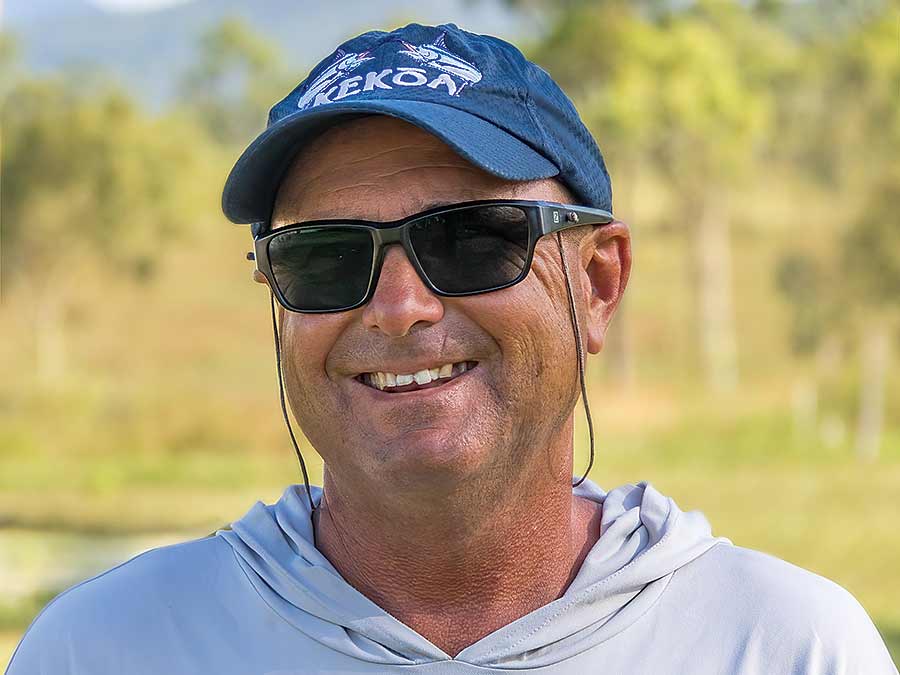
(788, 615)
(776, 587)
(82, 628)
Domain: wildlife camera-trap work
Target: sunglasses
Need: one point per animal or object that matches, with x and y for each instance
(462, 249)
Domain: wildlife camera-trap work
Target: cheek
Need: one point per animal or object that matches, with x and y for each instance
(307, 340)
(531, 323)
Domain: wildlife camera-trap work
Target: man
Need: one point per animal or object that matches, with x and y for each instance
(434, 222)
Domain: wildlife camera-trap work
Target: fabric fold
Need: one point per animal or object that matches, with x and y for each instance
(645, 538)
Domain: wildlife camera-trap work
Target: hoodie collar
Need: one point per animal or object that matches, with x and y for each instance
(644, 539)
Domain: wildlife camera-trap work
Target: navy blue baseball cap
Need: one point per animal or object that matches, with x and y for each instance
(477, 93)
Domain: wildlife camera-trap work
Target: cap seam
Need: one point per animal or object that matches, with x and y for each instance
(545, 140)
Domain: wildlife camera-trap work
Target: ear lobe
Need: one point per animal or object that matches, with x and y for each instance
(260, 278)
(607, 266)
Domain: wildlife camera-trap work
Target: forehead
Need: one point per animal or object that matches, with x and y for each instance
(382, 168)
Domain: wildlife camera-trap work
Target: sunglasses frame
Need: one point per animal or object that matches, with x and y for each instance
(543, 218)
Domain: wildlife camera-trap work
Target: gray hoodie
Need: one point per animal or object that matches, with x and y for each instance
(656, 594)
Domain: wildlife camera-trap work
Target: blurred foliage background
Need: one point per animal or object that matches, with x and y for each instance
(750, 373)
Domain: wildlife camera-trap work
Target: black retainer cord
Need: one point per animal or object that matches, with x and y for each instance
(287, 421)
(580, 354)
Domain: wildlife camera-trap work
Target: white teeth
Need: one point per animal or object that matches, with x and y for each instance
(382, 380)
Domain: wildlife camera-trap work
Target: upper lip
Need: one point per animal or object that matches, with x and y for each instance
(402, 368)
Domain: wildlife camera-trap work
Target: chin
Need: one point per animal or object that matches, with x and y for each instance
(430, 456)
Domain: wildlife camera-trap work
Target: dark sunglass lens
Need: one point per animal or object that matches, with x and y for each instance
(322, 268)
(472, 249)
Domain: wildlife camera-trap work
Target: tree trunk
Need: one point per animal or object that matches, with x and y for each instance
(875, 356)
(718, 342)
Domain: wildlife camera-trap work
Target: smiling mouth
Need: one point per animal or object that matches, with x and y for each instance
(395, 383)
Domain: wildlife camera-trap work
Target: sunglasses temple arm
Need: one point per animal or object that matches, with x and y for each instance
(555, 219)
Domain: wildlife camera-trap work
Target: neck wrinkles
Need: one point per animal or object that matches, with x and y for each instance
(455, 572)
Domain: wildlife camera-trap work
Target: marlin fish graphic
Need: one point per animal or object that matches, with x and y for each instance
(344, 63)
(436, 55)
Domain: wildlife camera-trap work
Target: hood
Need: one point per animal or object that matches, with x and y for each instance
(644, 539)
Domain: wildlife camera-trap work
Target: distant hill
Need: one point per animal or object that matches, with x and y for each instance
(149, 50)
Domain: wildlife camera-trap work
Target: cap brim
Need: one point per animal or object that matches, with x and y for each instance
(251, 185)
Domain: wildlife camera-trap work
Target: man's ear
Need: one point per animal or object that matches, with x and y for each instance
(605, 256)
(259, 277)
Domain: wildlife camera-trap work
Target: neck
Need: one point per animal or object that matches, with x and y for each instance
(457, 566)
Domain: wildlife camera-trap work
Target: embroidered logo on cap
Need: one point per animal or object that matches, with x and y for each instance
(437, 56)
(448, 72)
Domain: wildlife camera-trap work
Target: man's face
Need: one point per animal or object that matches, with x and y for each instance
(490, 423)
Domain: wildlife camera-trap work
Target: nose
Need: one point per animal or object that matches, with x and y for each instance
(401, 299)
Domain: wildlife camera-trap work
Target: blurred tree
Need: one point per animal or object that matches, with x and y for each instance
(651, 9)
(802, 278)
(236, 78)
(870, 260)
(854, 150)
(863, 132)
(683, 89)
(799, 277)
(86, 176)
